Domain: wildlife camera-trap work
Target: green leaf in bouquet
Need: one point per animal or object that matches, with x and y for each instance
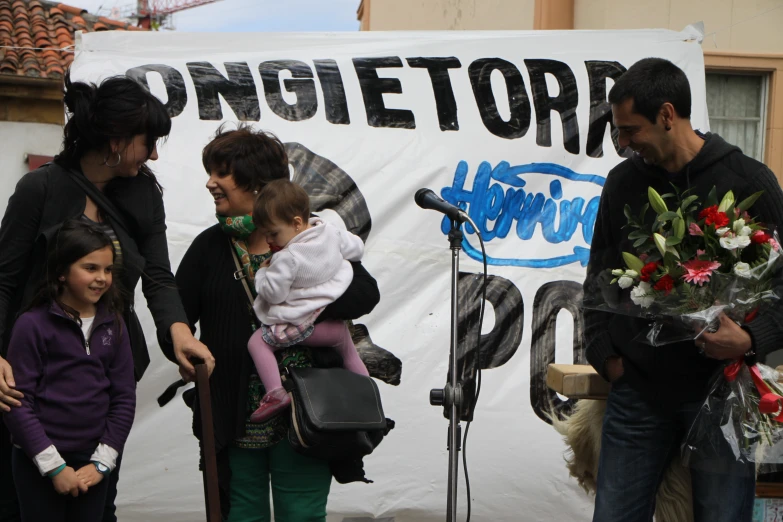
(678, 227)
(667, 216)
(627, 212)
(748, 202)
(712, 198)
(639, 242)
(638, 234)
(727, 202)
(613, 281)
(687, 202)
(673, 241)
(670, 261)
(633, 262)
(656, 202)
(643, 212)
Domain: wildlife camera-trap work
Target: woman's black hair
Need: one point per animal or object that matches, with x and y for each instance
(253, 157)
(117, 109)
(75, 239)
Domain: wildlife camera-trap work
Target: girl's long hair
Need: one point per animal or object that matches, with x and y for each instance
(74, 240)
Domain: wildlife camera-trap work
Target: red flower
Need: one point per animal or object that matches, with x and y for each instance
(647, 271)
(665, 284)
(711, 216)
(708, 211)
(719, 219)
(759, 237)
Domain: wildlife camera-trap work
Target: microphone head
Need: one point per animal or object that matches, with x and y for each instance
(421, 194)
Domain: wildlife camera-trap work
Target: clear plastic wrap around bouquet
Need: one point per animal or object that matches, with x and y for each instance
(696, 261)
(741, 419)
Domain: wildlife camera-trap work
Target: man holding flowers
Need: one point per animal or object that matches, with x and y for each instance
(658, 390)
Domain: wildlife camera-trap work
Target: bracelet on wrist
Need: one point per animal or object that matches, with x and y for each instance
(56, 471)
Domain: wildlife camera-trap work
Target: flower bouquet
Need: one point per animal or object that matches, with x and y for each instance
(743, 410)
(695, 261)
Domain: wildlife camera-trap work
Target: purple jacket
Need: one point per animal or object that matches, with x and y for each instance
(72, 399)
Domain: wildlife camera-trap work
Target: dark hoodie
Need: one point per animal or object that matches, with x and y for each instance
(672, 373)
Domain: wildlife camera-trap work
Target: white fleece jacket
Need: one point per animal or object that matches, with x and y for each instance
(309, 273)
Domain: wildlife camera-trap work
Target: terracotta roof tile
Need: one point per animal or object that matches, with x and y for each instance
(43, 28)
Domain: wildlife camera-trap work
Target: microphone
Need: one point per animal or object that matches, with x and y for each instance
(427, 199)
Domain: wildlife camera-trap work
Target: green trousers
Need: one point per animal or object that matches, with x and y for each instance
(300, 485)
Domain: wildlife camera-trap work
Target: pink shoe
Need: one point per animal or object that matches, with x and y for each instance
(273, 402)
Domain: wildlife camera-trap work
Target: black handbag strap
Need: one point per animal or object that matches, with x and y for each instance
(99, 198)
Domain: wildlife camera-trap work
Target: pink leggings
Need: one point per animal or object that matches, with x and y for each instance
(332, 334)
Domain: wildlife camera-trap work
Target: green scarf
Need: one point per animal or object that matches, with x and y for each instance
(240, 228)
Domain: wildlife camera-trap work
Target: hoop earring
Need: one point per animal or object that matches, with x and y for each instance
(106, 160)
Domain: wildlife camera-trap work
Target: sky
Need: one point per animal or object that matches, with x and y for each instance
(251, 15)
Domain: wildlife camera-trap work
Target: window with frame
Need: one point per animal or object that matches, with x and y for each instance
(737, 106)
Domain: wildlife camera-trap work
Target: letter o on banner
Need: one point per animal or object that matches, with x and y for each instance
(550, 299)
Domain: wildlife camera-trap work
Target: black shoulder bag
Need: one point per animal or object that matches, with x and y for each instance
(335, 413)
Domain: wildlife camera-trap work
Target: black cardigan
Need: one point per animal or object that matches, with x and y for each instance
(219, 304)
(673, 373)
(45, 198)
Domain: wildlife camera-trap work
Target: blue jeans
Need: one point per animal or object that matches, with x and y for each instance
(637, 445)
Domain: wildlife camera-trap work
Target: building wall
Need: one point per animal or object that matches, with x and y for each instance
(20, 139)
(421, 15)
(730, 25)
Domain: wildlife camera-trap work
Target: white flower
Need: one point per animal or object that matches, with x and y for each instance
(617, 272)
(642, 295)
(745, 231)
(632, 273)
(742, 269)
(624, 282)
(738, 224)
(734, 243)
(721, 231)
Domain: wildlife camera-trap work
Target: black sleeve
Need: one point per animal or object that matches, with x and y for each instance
(603, 255)
(157, 281)
(766, 330)
(359, 299)
(188, 282)
(18, 233)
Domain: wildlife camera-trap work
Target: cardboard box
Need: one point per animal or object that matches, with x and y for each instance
(577, 381)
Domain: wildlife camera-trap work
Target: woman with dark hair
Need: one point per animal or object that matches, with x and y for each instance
(101, 176)
(251, 455)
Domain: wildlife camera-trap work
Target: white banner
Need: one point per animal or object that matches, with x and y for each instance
(512, 126)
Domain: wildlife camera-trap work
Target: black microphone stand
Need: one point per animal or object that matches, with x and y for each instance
(451, 396)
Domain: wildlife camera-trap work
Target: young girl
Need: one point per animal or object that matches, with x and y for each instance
(72, 361)
(309, 270)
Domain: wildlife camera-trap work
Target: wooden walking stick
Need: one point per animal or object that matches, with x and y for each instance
(211, 493)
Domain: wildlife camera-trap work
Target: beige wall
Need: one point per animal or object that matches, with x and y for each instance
(738, 25)
(413, 15)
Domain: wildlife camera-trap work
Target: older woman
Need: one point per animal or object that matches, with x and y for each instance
(101, 176)
(240, 162)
